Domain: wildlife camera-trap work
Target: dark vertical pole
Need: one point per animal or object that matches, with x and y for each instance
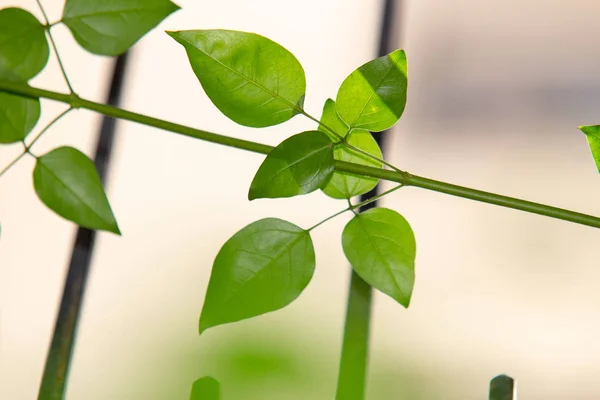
(355, 348)
(58, 361)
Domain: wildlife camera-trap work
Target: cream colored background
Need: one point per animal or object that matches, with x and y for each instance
(497, 90)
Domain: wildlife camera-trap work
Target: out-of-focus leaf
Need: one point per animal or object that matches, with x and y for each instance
(502, 387)
(206, 388)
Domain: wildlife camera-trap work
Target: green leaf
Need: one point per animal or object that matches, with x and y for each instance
(381, 248)
(18, 116)
(24, 48)
(206, 388)
(502, 387)
(300, 164)
(262, 268)
(66, 181)
(373, 96)
(251, 79)
(593, 137)
(111, 27)
(343, 185)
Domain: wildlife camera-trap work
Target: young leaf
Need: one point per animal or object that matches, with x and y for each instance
(66, 181)
(18, 116)
(206, 388)
(381, 248)
(593, 137)
(262, 268)
(24, 46)
(343, 185)
(331, 120)
(251, 79)
(502, 387)
(300, 164)
(109, 28)
(373, 96)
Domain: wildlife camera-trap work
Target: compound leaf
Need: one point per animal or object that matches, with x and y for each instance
(381, 248)
(24, 48)
(111, 27)
(18, 116)
(343, 185)
(67, 182)
(249, 78)
(373, 96)
(262, 268)
(206, 388)
(300, 164)
(593, 136)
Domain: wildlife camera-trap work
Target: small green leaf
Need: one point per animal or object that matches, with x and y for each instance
(18, 116)
(251, 79)
(300, 164)
(109, 28)
(373, 96)
(206, 388)
(24, 46)
(262, 268)
(593, 137)
(502, 387)
(381, 248)
(67, 182)
(331, 120)
(343, 185)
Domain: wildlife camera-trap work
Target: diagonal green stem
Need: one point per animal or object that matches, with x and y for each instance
(402, 177)
(53, 44)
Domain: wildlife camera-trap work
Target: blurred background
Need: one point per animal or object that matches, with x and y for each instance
(497, 90)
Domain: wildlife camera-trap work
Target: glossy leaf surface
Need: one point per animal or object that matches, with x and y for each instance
(206, 388)
(343, 185)
(24, 48)
(249, 78)
(593, 136)
(262, 268)
(300, 164)
(373, 96)
(18, 116)
(381, 248)
(67, 182)
(111, 27)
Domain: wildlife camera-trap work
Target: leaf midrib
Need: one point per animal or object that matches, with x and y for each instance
(289, 103)
(73, 192)
(300, 234)
(381, 256)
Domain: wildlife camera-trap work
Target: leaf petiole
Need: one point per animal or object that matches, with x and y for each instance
(352, 207)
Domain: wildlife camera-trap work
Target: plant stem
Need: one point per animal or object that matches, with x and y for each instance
(55, 120)
(12, 163)
(402, 177)
(353, 365)
(53, 44)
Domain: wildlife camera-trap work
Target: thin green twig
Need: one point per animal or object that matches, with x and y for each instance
(55, 120)
(352, 207)
(53, 44)
(403, 177)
